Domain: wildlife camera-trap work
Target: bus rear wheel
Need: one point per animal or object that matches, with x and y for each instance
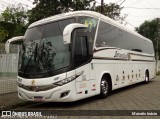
(105, 88)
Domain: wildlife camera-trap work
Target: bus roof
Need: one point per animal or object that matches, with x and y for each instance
(86, 13)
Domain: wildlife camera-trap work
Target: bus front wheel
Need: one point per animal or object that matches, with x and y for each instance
(105, 88)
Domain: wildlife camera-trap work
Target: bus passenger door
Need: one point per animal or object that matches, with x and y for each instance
(86, 82)
(82, 82)
(82, 59)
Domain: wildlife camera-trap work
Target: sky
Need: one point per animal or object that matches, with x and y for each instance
(134, 18)
(26, 3)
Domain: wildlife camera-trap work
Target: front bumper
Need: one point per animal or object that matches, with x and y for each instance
(52, 95)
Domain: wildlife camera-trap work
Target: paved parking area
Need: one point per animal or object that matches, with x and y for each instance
(136, 97)
(7, 84)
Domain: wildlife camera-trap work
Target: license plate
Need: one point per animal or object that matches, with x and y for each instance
(38, 98)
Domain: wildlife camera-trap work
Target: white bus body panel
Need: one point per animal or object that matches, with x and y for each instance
(123, 71)
(9, 41)
(48, 95)
(80, 88)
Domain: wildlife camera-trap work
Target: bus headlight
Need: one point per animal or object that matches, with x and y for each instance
(69, 79)
(64, 81)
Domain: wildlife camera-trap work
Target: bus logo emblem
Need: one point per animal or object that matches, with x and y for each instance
(33, 82)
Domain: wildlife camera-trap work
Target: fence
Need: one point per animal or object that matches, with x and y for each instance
(8, 69)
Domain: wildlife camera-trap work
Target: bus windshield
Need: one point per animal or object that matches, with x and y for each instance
(43, 49)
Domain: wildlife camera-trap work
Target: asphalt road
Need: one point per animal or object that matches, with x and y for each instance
(136, 97)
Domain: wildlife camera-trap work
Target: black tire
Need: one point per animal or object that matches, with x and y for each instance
(146, 81)
(104, 87)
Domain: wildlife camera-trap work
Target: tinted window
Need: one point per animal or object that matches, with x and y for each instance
(148, 47)
(91, 30)
(81, 50)
(50, 32)
(33, 34)
(44, 50)
(111, 36)
(134, 43)
(138, 44)
(62, 24)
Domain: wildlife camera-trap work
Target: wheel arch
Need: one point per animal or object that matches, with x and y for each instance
(108, 76)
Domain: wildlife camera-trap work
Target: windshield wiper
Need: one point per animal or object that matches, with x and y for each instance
(41, 57)
(27, 64)
(35, 53)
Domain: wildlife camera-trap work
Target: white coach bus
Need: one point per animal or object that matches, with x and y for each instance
(76, 55)
(13, 40)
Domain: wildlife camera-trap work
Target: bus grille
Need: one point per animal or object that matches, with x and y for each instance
(37, 88)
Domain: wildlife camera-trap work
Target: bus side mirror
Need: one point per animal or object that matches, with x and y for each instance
(68, 31)
(8, 42)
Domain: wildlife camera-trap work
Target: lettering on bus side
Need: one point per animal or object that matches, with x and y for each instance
(119, 55)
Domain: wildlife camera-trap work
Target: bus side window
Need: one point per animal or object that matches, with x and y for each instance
(81, 50)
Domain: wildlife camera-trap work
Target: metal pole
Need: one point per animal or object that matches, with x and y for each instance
(157, 57)
(102, 9)
(157, 54)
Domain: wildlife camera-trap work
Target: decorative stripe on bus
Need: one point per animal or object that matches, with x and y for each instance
(105, 49)
(143, 60)
(120, 49)
(140, 55)
(109, 58)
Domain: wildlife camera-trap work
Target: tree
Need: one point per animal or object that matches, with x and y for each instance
(46, 8)
(3, 34)
(111, 10)
(7, 30)
(81, 4)
(150, 30)
(14, 21)
(14, 14)
(43, 9)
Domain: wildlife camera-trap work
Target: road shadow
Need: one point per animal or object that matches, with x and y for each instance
(130, 87)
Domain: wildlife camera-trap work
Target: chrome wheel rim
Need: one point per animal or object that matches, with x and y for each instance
(104, 86)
